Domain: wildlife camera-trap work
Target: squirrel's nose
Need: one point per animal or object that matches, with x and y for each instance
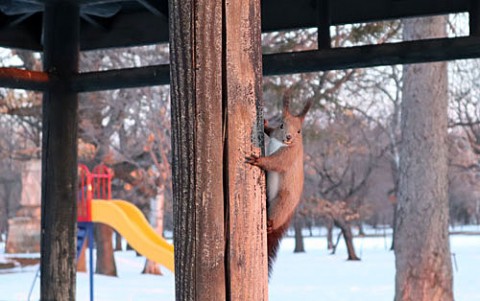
(289, 137)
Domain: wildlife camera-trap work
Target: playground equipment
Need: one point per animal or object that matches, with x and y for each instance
(96, 206)
(130, 222)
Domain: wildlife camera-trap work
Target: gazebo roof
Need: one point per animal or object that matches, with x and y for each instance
(117, 23)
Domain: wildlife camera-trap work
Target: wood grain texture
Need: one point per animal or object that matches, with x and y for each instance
(59, 154)
(247, 257)
(219, 201)
(23, 79)
(197, 143)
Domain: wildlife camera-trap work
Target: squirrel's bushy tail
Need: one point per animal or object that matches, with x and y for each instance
(273, 242)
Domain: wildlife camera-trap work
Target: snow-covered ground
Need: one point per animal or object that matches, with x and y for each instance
(311, 276)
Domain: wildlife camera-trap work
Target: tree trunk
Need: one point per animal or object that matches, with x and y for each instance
(422, 250)
(118, 241)
(152, 267)
(105, 263)
(348, 237)
(392, 247)
(310, 229)
(299, 245)
(329, 224)
(81, 261)
(361, 231)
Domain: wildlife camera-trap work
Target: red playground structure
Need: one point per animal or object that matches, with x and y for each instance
(92, 185)
(96, 184)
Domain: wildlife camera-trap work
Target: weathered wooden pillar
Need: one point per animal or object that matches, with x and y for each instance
(246, 206)
(219, 201)
(59, 152)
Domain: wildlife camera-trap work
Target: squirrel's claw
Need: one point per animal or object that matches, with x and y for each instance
(252, 159)
(269, 226)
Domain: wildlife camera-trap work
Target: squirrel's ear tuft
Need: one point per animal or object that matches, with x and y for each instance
(307, 107)
(287, 96)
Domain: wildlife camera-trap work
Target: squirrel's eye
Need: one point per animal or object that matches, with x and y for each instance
(281, 126)
(299, 131)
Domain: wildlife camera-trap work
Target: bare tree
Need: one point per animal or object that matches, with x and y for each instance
(463, 179)
(297, 226)
(342, 159)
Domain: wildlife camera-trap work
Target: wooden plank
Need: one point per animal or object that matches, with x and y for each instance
(23, 79)
(288, 15)
(59, 153)
(197, 145)
(246, 202)
(159, 8)
(122, 78)
(282, 63)
(25, 35)
(474, 18)
(126, 30)
(308, 61)
(372, 55)
(323, 25)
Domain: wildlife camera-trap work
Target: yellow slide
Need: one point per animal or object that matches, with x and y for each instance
(130, 222)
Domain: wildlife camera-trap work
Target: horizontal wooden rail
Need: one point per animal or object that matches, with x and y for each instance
(273, 64)
(122, 78)
(23, 79)
(410, 52)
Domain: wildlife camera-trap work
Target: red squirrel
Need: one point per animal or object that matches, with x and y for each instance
(284, 166)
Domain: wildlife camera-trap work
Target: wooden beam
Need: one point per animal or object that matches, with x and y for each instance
(24, 35)
(274, 64)
(284, 14)
(122, 78)
(298, 62)
(126, 30)
(246, 262)
(323, 25)
(59, 153)
(372, 55)
(15, 78)
(197, 149)
(20, 19)
(289, 15)
(474, 18)
(157, 7)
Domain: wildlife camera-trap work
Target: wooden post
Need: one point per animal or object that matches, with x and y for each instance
(246, 206)
(323, 24)
(474, 18)
(219, 201)
(197, 146)
(59, 152)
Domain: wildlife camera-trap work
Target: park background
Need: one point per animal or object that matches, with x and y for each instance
(352, 141)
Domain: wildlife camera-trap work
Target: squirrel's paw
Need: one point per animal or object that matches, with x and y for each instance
(252, 159)
(269, 226)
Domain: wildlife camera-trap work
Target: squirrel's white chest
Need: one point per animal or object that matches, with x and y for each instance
(273, 178)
